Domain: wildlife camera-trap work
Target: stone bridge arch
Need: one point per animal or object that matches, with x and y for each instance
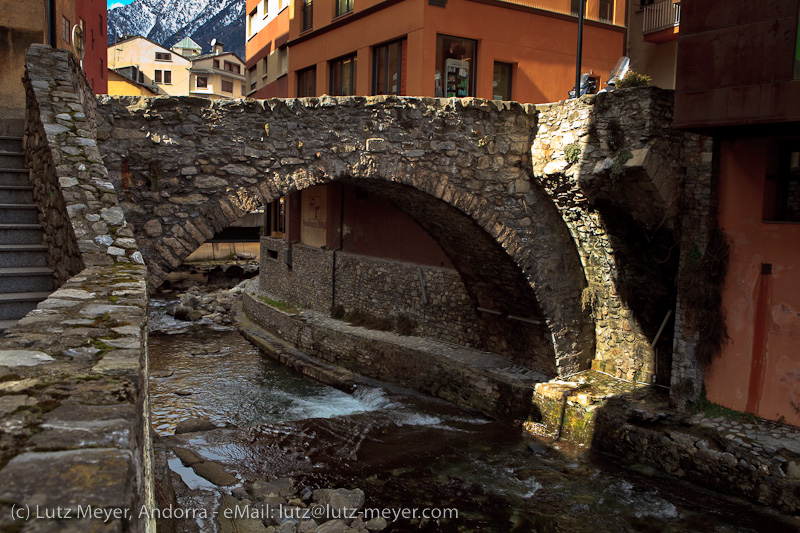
(188, 167)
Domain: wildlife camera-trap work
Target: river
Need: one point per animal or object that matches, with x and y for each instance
(403, 449)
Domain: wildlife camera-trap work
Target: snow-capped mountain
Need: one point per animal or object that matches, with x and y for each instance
(168, 21)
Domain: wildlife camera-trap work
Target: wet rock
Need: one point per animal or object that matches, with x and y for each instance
(187, 457)
(184, 393)
(538, 448)
(161, 373)
(339, 501)
(334, 526)
(377, 524)
(307, 526)
(283, 487)
(193, 425)
(214, 473)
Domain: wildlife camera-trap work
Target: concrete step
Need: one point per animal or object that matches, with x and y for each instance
(14, 176)
(13, 126)
(23, 255)
(16, 194)
(20, 234)
(12, 159)
(11, 144)
(19, 214)
(15, 305)
(26, 279)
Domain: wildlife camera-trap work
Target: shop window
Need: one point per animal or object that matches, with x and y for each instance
(455, 66)
(389, 68)
(307, 82)
(343, 76)
(227, 86)
(501, 81)
(201, 82)
(276, 218)
(308, 15)
(782, 185)
(343, 6)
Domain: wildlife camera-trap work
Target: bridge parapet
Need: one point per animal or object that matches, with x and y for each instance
(73, 373)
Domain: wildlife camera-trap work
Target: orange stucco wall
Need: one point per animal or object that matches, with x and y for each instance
(542, 48)
(759, 369)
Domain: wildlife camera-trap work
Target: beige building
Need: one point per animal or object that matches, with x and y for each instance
(653, 28)
(150, 64)
(123, 85)
(216, 75)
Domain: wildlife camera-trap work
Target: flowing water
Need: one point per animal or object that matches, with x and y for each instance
(403, 449)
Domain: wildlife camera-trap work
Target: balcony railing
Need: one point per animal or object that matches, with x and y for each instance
(661, 15)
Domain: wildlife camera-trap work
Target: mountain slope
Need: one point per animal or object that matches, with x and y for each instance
(168, 21)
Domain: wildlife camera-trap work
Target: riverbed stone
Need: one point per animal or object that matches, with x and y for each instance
(193, 425)
(214, 472)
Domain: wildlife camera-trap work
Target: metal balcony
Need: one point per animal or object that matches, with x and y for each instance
(661, 15)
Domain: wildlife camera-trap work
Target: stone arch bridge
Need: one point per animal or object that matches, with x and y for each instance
(533, 232)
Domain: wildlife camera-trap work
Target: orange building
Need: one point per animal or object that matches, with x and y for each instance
(267, 64)
(747, 94)
(521, 50)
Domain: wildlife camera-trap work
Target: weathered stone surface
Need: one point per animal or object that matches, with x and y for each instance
(68, 478)
(12, 402)
(23, 358)
(193, 425)
(214, 472)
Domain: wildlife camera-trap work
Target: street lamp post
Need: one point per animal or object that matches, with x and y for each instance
(581, 14)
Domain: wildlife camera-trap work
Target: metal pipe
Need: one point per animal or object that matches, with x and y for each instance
(528, 320)
(490, 311)
(661, 329)
(581, 14)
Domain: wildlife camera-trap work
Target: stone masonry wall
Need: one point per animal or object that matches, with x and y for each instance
(73, 373)
(612, 165)
(306, 283)
(394, 289)
(444, 313)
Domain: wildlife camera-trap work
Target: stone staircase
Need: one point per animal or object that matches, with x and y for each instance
(25, 279)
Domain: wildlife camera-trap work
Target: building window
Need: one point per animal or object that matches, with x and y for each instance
(251, 77)
(389, 68)
(343, 6)
(606, 10)
(265, 9)
(201, 82)
(101, 68)
(158, 77)
(797, 52)
(65, 29)
(307, 82)
(100, 25)
(168, 77)
(216, 63)
(308, 15)
(251, 20)
(782, 184)
(265, 68)
(575, 7)
(163, 56)
(455, 66)
(501, 81)
(343, 76)
(276, 218)
(232, 67)
(227, 86)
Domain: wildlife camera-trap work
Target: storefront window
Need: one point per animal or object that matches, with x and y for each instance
(306, 82)
(389, 64)
(455, 66)
(501, 81)
(343, 76)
